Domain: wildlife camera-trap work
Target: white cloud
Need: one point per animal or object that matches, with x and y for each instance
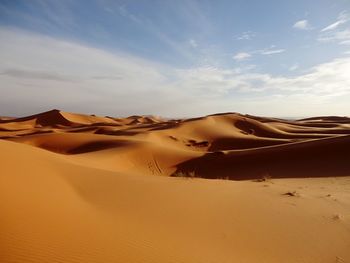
(48, 73)
(333, 26)
(293, 67)
(341, 37)
(342, 19)
(326, 79)
(313, 93)
(248, 35)
(241, 56)
(51, 73)
(345, 42)
(302, 25)
(268, 51)
(272, 51)
(193, 43)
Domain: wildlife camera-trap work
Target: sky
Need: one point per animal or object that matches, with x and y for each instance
(179, 58)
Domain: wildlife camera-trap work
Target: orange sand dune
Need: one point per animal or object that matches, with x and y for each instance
(83, 188)
(56, 118)
(312, 158)
(225, 143)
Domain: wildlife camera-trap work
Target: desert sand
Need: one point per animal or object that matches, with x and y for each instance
(220, 188)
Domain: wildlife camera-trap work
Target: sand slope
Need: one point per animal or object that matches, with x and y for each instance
(102, 189)
(62, 212)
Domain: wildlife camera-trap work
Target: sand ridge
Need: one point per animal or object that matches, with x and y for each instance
(227, 143)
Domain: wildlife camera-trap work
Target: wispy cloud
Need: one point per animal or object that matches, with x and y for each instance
(293, 67)
(316, 90)
(341, 37)
(334, 33)
(345, 42)
(271, 51)
(193, 43)
(36, 74)
(45, 62)
(57, 15)
(154, 29)
(266, 51)
(241, 56)
(248, 35)
(302, 25)
(121, 84)
(107, 77)
(342, 19)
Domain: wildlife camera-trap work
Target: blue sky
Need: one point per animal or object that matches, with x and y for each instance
(175, 58)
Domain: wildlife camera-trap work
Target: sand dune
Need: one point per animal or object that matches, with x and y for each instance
(312, 158)
(57, 118)
(84, 188)
(225, 143)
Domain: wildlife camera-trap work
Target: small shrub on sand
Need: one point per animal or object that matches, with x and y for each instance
(292, 193)
(191, 174)
(266, 177)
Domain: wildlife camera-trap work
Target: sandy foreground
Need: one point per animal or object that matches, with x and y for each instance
(221, 188)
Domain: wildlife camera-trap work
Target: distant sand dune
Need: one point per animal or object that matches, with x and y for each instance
(313, 147)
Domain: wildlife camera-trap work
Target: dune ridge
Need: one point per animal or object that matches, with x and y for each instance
(225, 142)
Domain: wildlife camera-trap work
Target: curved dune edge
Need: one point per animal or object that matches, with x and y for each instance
(56, 210)
(328, 157)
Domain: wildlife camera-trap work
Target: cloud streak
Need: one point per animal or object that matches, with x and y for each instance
(341, 37)
(343, 18)
(302, 25)
(241, 56)
(332, 32)
(248, 35)
(34, 74)
(271, 51)
(154, 29)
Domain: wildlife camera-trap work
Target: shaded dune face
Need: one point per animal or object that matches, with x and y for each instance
(311, 158)
(226, 145)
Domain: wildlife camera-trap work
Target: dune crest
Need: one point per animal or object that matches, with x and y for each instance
(226, 143)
